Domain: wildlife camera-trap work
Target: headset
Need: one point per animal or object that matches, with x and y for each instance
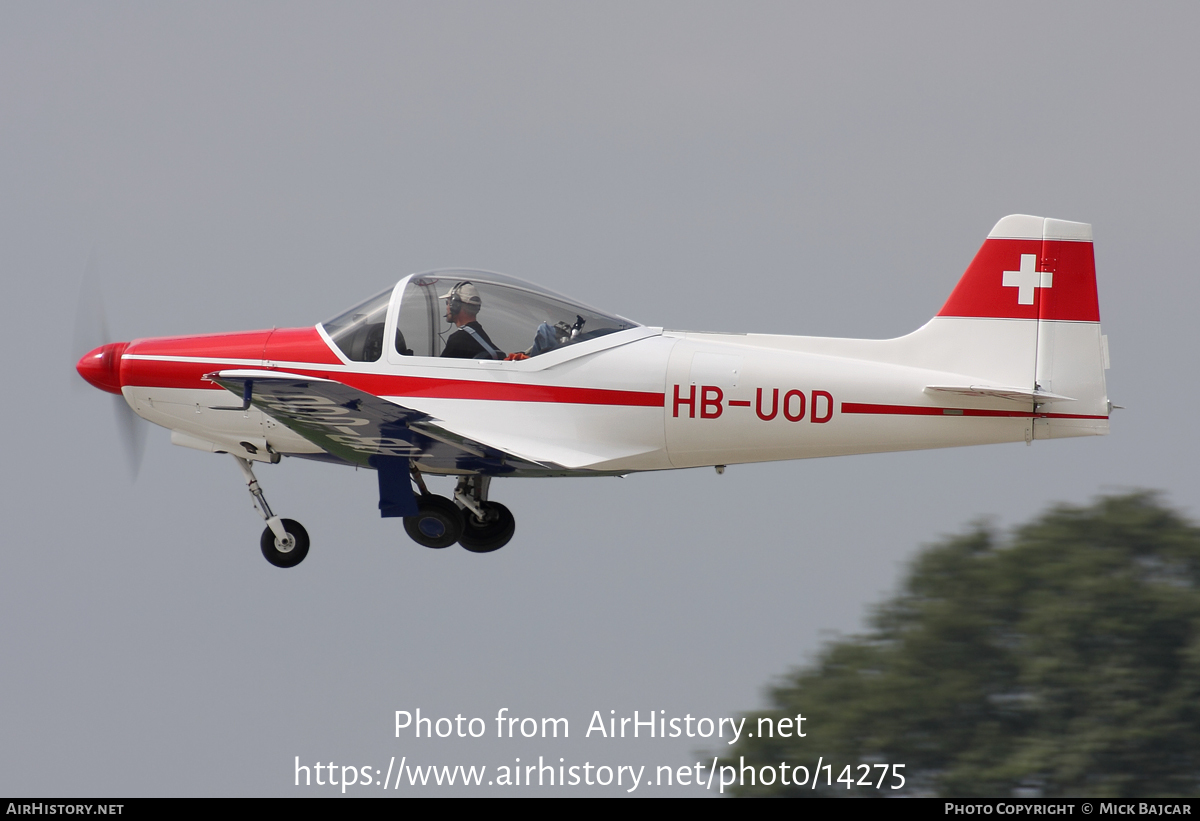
(454, 302)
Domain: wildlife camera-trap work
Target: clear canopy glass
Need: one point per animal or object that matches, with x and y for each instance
(517, 316)
(359, 331)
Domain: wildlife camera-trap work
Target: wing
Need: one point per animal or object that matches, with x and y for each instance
(355, 426)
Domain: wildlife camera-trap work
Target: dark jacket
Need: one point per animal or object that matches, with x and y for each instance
(462, 345)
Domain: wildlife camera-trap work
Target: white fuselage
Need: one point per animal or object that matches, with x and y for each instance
(725, 399)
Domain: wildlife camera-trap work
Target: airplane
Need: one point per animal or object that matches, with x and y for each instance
(476, 375)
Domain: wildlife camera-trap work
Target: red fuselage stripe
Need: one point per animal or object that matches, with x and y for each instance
(170, 374)
(917, 410)
(383, 385)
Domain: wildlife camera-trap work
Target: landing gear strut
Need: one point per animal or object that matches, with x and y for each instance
(487, 526)
(284, 542)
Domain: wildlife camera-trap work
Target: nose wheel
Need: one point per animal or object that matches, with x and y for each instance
(288, 551)
(284, 542)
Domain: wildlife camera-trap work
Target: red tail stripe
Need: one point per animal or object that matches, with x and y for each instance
(919, 410)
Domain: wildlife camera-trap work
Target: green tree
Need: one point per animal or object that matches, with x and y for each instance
(1064, 660)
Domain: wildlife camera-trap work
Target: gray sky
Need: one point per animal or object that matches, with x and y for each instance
(825, 169)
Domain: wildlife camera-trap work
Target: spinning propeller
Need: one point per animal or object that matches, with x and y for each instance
(99, 363)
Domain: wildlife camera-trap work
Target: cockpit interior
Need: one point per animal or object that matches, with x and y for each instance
(522, 320)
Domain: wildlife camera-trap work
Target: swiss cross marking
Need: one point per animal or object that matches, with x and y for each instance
(1027, 279)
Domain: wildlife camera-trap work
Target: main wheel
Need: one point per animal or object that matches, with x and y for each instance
(438, 523)
(491, 534)
(281, 553)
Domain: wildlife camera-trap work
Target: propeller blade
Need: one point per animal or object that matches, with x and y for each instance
(91, 324)
(131, 430)
(91, 332)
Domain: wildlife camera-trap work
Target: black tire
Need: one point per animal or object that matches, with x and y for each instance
(493, 534)
(438, 523)
(292, 557)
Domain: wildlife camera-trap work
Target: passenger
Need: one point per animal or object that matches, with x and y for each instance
(470, 341)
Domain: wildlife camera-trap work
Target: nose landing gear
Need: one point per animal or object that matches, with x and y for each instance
(288, 551)
(284, 542)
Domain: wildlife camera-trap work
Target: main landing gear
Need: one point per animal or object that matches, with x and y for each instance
(284, 542)
(471, 520)
(475, 523)
(438, 523)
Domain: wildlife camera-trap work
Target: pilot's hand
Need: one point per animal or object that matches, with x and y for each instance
(515, 357)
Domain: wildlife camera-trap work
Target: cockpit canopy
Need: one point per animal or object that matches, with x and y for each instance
(517, 316)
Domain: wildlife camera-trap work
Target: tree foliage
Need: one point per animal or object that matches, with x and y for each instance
(1064, 660)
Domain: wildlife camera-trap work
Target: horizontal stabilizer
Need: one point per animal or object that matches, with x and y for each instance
(1013, 394)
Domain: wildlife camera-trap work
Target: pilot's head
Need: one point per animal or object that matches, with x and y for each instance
(463, 299)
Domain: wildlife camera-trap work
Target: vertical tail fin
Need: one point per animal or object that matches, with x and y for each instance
(1026, 311)
(1030, 268)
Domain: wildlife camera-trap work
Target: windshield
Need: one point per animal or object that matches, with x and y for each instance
(359, 331)
(505, 316)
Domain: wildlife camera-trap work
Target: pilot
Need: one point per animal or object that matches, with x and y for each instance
(470, 341)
